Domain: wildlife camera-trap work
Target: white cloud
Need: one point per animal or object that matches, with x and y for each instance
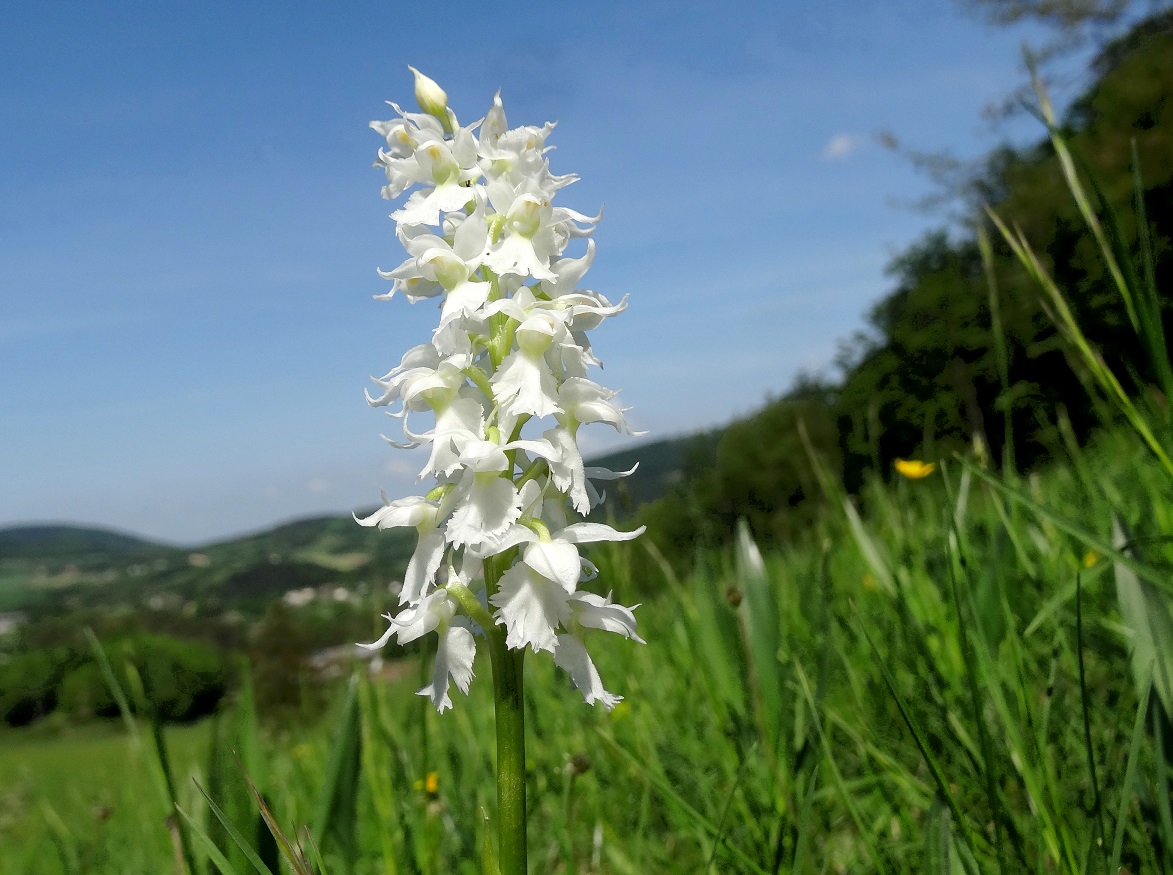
(842, 145)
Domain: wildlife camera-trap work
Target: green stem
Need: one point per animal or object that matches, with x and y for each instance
(508, 693)
(509, 710)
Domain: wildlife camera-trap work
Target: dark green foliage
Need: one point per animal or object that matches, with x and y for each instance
(259, 584)
(181, 680)
(84, 693)
(29, 685)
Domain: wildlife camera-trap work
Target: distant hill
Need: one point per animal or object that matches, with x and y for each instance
(72, 543)
(46, 567)
(661, 463)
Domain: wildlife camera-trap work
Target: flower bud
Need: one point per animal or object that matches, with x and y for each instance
(431, 97)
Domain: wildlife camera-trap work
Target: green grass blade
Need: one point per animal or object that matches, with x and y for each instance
(159, 765)
(211, 848)
(257, 863)
(116, 690)
(1075, 186)
(725, 812)
(292, 852)
(1065, 321)
(1089, 539)
(844, 794)
(673, 795)
(989, 768)
(216, 784)
(160, 746)
(318, 861)
(1147, 292)
(336, 813)
(871, 551)
(377, 774)
(1001, 352)
(248, 735)
(1161, 729)
(805, 821)
(254, 764)
(62, 838)
(1129, 779)
(941, 850)
(918, 736)
(1097, 802)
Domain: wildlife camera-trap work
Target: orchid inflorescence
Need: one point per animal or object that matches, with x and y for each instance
(498, 541)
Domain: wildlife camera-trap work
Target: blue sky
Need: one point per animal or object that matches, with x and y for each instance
(190, 224)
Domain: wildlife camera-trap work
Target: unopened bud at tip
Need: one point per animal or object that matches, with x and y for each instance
(431, 97)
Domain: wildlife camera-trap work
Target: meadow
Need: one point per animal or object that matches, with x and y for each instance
(939, 682)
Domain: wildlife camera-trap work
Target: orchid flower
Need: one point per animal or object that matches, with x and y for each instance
(485, 238)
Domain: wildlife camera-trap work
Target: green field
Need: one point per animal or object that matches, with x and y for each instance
(902, 692)
(72, 796)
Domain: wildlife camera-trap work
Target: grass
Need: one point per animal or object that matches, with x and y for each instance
(787, 716)
(82, 786)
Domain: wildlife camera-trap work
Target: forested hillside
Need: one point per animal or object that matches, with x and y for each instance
(954, 355)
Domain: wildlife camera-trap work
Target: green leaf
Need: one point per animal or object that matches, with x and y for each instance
(759, 618)
(1146, 615)
(488, 855)
(870, 549)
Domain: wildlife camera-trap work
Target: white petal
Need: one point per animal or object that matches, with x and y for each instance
(567, 471)
(557, 561)
(595, 612)
(422, 567)
(526, 385)
(583, 533)
(594, 473)
(416, 621)
(518, 255)
(384, 638)
(401, 512)
(490, 507)
(531, 608)
(465, 298)
(572, 657)
(514, 535)
(454, 657)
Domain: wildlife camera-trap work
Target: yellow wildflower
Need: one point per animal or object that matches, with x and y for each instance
(431, 783)
(1090, 559)
(914, 469)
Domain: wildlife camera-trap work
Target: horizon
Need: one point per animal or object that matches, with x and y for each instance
(194, 326)
(252, 531)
